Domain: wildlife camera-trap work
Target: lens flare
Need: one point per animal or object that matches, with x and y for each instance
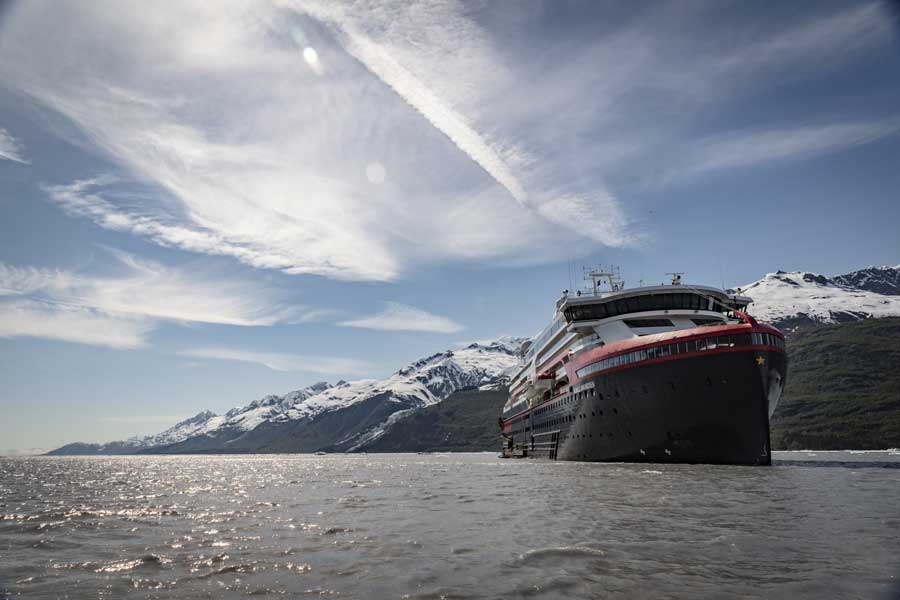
(375, 172)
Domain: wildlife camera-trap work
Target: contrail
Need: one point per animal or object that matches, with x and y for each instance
(422, 99)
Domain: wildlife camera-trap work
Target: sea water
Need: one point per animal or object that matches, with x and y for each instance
(814, 525)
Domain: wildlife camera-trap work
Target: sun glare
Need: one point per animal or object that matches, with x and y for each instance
(310, 55)
(375, 172)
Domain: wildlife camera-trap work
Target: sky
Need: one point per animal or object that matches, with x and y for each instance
(204, 203)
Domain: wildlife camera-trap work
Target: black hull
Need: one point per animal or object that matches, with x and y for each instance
(709, 408)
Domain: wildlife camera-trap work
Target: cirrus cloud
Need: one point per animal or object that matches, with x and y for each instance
(120, 311)
(11, 148)
(276, 361)
(401, 317)
(244, 149)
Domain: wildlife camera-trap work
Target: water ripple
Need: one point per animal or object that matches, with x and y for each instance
(446, 526)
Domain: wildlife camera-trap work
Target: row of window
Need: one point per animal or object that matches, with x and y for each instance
(563, 341)
(643, 303)
(564, 401)
(767, 339)
(710, 343)
(648, 323)
(569, 418)
(544, 336)
(700, 321)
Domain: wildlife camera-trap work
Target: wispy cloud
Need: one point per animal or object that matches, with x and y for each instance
(245, 146)
(85, 198)
(48, 320)
(284, 362)
(246, 150)
(747, 148)
(400, 317)
(653, 84)
(11, 148)
(820, 42)
(349, 24)
(119, 311)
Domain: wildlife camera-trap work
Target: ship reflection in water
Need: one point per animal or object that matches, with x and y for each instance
(456, 526)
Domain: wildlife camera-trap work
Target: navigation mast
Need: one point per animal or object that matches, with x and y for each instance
(608, 275)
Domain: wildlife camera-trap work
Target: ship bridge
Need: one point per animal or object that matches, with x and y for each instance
(644, 302)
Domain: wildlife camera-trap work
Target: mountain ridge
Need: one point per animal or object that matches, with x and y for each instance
(800, 298)
(353, 416)
(422, 383)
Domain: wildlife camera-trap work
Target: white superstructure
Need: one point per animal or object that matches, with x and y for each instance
(607, 312)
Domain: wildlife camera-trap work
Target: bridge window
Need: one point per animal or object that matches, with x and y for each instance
(699, 321)
(648, 323)
(647, 302)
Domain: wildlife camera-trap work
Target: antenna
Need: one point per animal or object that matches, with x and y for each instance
(676, 277)
(721, 273)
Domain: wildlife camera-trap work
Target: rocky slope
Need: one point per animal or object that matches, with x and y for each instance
(464, 422)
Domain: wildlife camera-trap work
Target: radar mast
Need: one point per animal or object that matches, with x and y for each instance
(601, 277)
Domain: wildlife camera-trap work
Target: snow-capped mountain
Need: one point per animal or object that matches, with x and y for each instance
(353, 415)
(176, 433)
(791, 299)
(259, 425)
(881, 280)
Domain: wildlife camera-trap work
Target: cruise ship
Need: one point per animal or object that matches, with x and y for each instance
(665, 373)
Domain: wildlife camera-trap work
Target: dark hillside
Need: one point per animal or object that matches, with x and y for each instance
(843, 388)
(465, 422)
